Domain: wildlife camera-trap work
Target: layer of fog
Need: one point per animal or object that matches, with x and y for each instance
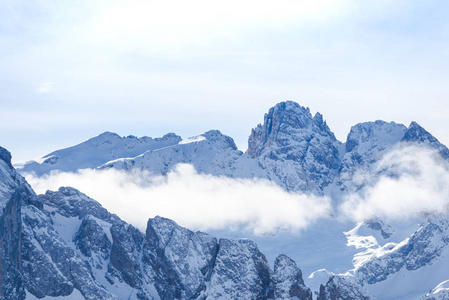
(196, 201)
(406, 182)
(412, 181)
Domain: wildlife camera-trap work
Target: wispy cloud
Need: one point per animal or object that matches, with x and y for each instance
(415, 181)
(193, 200)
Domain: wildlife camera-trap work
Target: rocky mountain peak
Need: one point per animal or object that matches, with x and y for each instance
(5, 155)
(290, 136)
(342, 287)
(216, 136)
(367, 135)
(417, 134)
(107, 135)
(170, 135)
(284, 121)
(287, 280)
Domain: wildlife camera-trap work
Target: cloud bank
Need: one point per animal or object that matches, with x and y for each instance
(193, 200)
(413, 180)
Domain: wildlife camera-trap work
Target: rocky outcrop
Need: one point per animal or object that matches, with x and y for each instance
(343, 288)
(287, 280)
(240, 272)
(418, 135)
(298, 151)
(11, 281)
(186, 255)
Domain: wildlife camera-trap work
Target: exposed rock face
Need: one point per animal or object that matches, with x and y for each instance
(298, 151)
(91, 238)
(13, 193)
(186, 255)
(416, 134)
(377, 224)
(11, 282)
(343, 288)
(240, 272)
(287, 280)
(5, 155)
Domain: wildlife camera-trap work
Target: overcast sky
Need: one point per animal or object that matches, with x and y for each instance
(70, 70)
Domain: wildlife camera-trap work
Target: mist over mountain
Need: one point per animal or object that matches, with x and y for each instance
(366, 218)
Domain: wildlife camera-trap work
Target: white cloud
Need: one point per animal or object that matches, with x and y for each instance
(414, 181)
(193, 200)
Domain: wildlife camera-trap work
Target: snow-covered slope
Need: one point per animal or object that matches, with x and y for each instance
(441, 292)
(343, 287)
(299, 152)
(96, 152)
(210, 153)
(411, 268)
(366, 144)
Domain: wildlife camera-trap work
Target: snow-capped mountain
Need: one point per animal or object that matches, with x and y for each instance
(96, 152)
(293, 149)
(299, 151)
(365, 145)
(210, 153)
(64, 244)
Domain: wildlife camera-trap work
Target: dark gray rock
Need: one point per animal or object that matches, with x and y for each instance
(377, 224)
(5, 155)
(70, 202)
(11, 281)
(343, 288)
(126, 253)
(418, 135)
(240, 272)
(91, 237)
(288, 281)
(299, 151)
(188, 256)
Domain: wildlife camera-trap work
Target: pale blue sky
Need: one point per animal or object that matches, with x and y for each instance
(70, 70)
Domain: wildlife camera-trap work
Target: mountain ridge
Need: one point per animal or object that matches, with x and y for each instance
(291, 148)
